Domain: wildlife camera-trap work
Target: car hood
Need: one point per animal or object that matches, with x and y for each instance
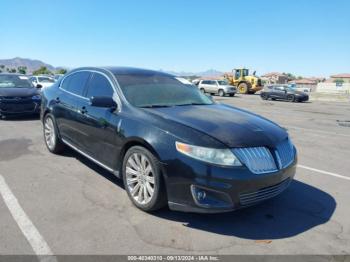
(231, 126)
(18, 91)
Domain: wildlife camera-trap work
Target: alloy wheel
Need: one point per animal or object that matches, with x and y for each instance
(49, 133)
(140, 178)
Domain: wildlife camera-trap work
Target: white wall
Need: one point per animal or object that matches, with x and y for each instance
(333, 88)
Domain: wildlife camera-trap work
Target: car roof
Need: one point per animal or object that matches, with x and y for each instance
(121, 70)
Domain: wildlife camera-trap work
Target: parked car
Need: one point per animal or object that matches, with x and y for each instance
(42, 81)
(18, 96)
(57, 76)
(220, 87)
(283, 92)
(170, 143)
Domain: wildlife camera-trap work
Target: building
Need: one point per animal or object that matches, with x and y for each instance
(305, 83)
(274, 78)
(344, 78)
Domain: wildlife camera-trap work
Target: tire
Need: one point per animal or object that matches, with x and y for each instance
(243, 88)
(144, 194)
(290, 98)
(264, 96)
(232, 95)
(51, 138)
(202, 90)
(221, 93)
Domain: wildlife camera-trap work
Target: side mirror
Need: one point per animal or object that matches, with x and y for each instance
(39, 86)
(103, 101)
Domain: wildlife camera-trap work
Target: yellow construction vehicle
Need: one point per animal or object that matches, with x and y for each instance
(246, 84)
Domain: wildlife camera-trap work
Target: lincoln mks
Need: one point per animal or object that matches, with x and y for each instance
(170, 143)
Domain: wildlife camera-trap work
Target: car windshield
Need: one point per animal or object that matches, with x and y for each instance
(223, 82)
(14, 81)
(159, 90)
(46, 80)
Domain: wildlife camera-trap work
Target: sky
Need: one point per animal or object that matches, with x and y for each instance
(308, 38)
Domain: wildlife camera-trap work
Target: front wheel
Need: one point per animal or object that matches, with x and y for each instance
(243, 88)
(290, 98)
(52, 141)
(231, 95)
(143, 180)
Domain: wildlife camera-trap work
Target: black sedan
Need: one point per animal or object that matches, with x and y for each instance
(283, 92)
(18, 96)
(169, 143)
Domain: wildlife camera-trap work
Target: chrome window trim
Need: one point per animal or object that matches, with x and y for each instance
(64, 78)
(115, 91)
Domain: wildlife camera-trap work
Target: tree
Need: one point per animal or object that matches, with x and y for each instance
(42, 71)
(61, 71)
(22, 70)
(12, 70)
(2, 67)
(290, 76)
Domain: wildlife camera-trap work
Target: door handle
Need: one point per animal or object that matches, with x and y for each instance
(83, 110)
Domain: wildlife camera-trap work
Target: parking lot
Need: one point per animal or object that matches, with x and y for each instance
(76, 207)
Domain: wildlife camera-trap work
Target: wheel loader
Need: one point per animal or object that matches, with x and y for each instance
(246, 84)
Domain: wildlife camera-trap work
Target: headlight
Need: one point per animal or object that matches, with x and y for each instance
(211, 155)
(36, 97)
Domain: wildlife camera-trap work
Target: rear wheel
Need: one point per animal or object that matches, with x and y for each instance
(221, 92)
(52, 141)
(243, 88)
(264, 96)
(202, 90)
(143, 180)
(290, 98)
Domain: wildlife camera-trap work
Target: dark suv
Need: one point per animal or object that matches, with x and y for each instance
(283, 92)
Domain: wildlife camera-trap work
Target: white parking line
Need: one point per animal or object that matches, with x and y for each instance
(39, 245)
(324, 172)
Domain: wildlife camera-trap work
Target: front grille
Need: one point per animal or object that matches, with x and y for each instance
(251, 198)
(259, 160)
(285, 153)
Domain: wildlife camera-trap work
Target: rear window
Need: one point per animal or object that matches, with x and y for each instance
(14, 81)
(76, 82)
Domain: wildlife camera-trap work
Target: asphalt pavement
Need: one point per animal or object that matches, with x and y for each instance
(65, 204)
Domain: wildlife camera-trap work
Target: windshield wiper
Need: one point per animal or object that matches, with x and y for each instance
(154, 106)
(193, 104)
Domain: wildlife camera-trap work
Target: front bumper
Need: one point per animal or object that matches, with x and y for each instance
(226, 188)
(19, 108)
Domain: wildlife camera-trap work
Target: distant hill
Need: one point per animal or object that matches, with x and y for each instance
(31, 64)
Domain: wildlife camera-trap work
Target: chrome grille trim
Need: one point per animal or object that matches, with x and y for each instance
(259, 160)
(250, 198)
(285, 153)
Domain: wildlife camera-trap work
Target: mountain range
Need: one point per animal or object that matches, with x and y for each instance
(33, 64)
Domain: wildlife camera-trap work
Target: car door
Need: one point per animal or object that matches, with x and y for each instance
(210, 86)
(278, 92)
(66, 106)
(100, 125)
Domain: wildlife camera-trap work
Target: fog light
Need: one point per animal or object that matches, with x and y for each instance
(210, 198)
(201, 195)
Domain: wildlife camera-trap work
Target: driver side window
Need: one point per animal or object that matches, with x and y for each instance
(99, 86)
